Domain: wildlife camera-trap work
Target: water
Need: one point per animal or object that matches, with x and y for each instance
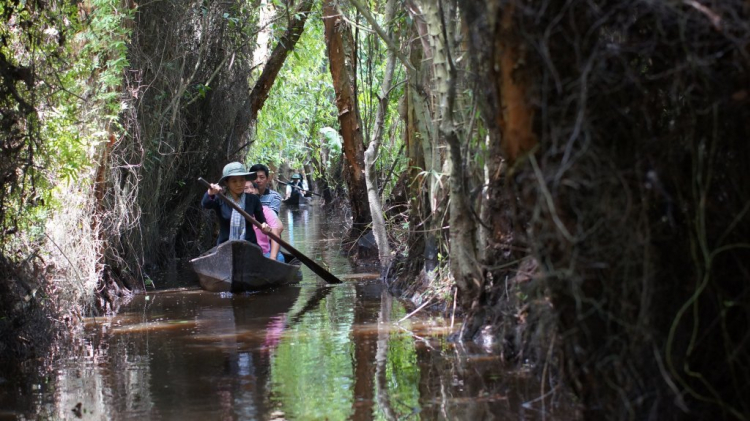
(304, 352)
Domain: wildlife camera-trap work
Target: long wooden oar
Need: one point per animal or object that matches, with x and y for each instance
(298, 188)
(319, 270)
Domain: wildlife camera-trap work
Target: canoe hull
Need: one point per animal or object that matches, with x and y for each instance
(297, 200)
(237, 266)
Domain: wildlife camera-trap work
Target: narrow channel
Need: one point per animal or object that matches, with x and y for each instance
(305, 352)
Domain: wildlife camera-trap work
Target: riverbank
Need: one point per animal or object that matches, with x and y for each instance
(30, 319)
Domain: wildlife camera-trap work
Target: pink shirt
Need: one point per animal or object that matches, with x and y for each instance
(273, 221)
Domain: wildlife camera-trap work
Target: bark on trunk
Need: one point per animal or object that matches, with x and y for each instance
(463, 256)
(371, 154)
(484, 32)
(418, 210)
(497, 57)
(341, 56)
(517, 115)
(423, 103)
(507, 110)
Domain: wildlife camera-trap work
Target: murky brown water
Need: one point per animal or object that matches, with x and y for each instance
(305, 352)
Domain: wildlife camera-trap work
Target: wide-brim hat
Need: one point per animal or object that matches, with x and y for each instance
(296, 176)
(234, 169)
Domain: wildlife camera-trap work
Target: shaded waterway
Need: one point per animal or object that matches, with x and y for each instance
(304, 352)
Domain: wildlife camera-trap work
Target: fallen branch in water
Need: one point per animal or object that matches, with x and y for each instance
(415, 311)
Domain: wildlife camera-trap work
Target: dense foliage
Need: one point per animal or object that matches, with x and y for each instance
(61, 69)
(295, 126)
(298, 106)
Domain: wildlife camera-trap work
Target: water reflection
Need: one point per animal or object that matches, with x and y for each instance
(303, 352)
(297, 219)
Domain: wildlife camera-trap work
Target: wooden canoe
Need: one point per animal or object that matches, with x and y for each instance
(240, 266)
(296, 200)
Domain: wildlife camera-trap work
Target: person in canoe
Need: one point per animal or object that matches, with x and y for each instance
(232, 225)
(268, 197)
(295, 189)
(270, 248)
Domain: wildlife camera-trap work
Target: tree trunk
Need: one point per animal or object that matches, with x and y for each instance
(497, 59)
(422, 254)
(371, 154)
(508, 111)
(342, 60)
(463, 253)
(431, 186)
(320, 181)
(175, 132)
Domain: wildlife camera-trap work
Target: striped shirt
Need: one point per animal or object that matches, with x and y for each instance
(271, 199)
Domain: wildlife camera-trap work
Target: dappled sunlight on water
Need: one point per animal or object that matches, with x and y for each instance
(309, 351)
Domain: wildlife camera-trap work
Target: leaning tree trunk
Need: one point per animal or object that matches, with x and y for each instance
(371, 154)
(342, 60)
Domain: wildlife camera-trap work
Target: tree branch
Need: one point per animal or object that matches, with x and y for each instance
(391, 45)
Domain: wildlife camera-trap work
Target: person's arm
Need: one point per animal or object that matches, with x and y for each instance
(276, 227)
(288, 191)
(274, 245)
(210, 200)
(275, 202)
(258, 214)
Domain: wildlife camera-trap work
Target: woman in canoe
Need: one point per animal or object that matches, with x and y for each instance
(232, 225)
(270, 248)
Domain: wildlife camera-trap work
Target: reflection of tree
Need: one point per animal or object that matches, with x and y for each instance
(384, 329)
(311, 303)
(185, 355)
(106, 366)
(311, 371)
(365, 347)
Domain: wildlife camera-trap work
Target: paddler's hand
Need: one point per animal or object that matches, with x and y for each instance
(215, 188)
(265, 228)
